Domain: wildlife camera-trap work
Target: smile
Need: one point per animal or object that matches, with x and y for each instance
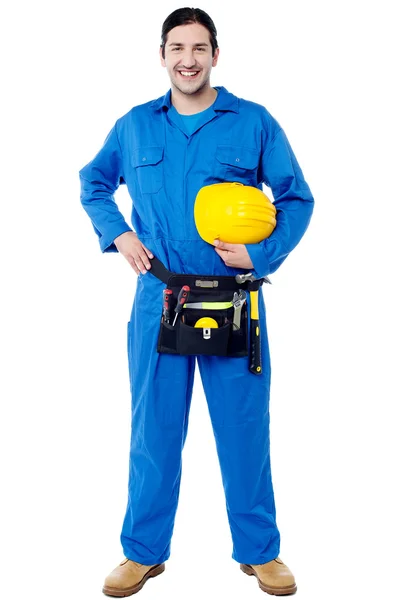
(188, 74)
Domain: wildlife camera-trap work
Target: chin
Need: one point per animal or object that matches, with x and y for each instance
(189, 90)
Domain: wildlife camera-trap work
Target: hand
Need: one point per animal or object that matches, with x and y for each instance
(233, 255)
(134, 251)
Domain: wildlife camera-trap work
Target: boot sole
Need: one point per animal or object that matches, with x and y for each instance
(153, 572)
(275, 591)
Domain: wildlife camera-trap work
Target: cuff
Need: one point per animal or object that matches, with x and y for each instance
(107, 241)
(257, 254)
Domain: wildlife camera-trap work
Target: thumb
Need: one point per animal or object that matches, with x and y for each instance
(223, 245)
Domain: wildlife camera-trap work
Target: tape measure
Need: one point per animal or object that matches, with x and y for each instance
(206, 322)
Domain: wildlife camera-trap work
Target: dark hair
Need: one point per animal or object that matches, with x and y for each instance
(184, 16)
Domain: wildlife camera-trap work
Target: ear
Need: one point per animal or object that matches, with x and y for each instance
(215, 58)
(162, 59)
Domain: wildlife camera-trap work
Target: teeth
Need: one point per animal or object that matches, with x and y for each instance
(188, 73)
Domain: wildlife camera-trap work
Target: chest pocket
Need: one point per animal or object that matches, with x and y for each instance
(237, 163)
(149, 165)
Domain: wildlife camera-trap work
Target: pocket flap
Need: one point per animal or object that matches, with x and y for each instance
(147, 155)
(238, 156)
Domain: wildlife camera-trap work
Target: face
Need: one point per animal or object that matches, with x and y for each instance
(188, 50)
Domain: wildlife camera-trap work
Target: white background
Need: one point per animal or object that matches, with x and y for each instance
(326, 71)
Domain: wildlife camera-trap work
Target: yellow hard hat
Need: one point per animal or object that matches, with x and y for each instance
(234, 212)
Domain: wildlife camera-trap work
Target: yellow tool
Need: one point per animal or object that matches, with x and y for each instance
(209, 305)
(255, 364)
(206, 322)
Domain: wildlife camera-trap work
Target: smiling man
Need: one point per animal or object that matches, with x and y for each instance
(165, 151)
(189, 55)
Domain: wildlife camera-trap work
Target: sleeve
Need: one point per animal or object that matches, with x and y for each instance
(293, 201)
(99, 179)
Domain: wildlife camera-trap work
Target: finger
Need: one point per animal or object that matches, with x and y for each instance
(145, 261)
(141, 262)
(132, 263)
(149, 253)
(222, 257)
(227, 246)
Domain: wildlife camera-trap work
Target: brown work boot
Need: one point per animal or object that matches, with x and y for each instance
(129, 577)
(274, 577)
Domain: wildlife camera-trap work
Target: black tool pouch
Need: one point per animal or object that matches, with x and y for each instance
(184, 338)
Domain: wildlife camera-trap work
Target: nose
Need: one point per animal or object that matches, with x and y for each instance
(188, 59)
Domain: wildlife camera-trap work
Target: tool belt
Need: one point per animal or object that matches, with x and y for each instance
(212, 297)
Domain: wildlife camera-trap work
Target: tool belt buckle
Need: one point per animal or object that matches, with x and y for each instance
(203, 283)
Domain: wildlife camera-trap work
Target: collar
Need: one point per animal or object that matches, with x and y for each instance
(224, 100)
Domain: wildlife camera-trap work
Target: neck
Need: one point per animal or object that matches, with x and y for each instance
(189, 104)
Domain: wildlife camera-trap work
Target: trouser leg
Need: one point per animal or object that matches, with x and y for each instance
(161, 388)
(238, 403)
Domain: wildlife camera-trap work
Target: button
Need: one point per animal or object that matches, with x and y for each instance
(237, 160)
(144, 158)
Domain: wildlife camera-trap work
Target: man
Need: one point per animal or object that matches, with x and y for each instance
(165, 151)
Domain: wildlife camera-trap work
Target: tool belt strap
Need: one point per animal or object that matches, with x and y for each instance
(201, 282)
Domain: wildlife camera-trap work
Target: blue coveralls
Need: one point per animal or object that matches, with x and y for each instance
(149, 150)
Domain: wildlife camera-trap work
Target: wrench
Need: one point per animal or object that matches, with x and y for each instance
(238, 301)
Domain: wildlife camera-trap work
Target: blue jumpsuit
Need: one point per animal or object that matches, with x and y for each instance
(163, 166)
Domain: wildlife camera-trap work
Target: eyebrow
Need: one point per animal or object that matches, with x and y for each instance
(180, 44)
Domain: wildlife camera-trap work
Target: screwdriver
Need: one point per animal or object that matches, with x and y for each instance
(182, 299)
(167, 294)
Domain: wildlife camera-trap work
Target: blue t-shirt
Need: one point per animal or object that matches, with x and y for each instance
(190, 121)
